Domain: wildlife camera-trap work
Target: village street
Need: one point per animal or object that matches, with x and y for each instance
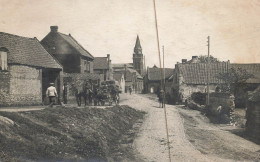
(192, 137)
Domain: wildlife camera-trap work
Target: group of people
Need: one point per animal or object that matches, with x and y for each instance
(90, 92)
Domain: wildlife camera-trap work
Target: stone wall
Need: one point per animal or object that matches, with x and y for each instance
(4, 87)
(220, 106)
(187, 90)
(21, 86)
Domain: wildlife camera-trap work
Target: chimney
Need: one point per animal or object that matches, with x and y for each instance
(108, 57)
(108, 64)
(54, 28)
(184, 61)
(194, 59)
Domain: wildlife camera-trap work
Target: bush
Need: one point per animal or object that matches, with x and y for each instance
(199, 98)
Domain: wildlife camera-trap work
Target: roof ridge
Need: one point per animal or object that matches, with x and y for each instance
(75, 41)
(244, 63)
(18, 36)
(48, 52)
(80, 45)
(27, 51)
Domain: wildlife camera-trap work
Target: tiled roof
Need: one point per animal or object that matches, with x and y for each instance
(196, 73)
(118, 66)
(129, 74)
(134, 71)
(27, 51)
(76, 45)
(100, 63)
(250, 68)
(154, 74)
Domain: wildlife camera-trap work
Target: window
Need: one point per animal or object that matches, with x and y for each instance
(3, 58)
(87, 66)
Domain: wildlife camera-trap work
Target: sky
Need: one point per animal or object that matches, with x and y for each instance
(111, 26)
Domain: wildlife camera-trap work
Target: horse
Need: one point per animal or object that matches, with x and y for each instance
(114, 93)
(85, 92)
(116, 99)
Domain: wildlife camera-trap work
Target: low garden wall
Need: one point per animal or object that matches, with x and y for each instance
(221, 105)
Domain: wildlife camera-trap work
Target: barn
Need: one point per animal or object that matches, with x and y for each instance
(26, 69)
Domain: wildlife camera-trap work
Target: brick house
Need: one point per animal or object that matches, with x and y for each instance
(152, 79)
(132, 78)
(77, 62)
(26, 69)
(102, 65)
(192, 77)
(72, 56)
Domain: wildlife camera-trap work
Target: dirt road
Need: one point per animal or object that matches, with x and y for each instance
(192, 137)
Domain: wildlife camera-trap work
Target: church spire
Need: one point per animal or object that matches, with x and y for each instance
(138, 48)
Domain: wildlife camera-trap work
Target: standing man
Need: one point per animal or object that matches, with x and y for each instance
(52, 94)
(65, 92)
(130, 90)
(160, 96)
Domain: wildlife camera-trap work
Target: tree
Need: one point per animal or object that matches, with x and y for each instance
(235, 83)
(204, 59)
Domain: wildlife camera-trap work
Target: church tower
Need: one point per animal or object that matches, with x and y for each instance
(138, 60)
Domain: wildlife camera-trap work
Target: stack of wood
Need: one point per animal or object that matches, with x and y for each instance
(253, 115)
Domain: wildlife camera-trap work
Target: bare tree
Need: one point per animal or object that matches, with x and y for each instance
(235, 83)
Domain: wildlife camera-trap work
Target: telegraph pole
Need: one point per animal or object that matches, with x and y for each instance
(208, 62)
(163, 78)
(165, 113)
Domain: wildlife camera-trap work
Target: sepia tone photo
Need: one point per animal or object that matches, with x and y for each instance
(129, 80)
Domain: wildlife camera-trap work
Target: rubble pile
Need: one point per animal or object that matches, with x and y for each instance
(253, 116)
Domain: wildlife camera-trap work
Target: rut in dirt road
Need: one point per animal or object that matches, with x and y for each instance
(151, 142)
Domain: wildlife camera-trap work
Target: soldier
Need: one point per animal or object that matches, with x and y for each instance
(130, 90)
(160, 98)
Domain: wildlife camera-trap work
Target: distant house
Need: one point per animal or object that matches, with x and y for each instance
(251, 69)
(73, 57)
(132, 78)
(153, 79)
(192, 77)
(121, 80)
(102, 65)
(26, 69)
